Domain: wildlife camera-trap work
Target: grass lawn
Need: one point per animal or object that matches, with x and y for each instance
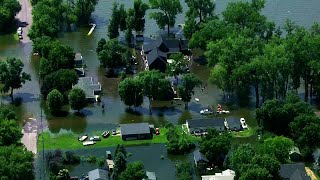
(70, 141)
(243, 134)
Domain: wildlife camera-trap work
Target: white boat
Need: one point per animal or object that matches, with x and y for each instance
(95, 138)
(243, 123)
(83, 138)
(197, 99)
(223, 112)
(88, 143)
(206, 112)
(92, 29)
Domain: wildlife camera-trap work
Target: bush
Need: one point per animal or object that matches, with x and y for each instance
(71, 158)
(54, 101)
(77, 99)
(91, 159)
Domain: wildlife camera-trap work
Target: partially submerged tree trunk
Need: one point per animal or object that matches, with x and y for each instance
(185, 105)
(11, 94)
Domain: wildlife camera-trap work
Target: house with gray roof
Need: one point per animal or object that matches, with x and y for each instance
(90, 87)
(202, 125)
(135, 131)
(98, 174)
(233, 124)
(200, 159)
(295, 171)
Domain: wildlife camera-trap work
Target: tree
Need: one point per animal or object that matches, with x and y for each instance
(121, 149)
(101, 43)
(112, 54)
(8, 10)
(120, 165)
(7, 113)
(139, 11)
(63, 174)
(155, 85)
(16, 163)
(122, 18)
(269, 162)
(278, 147)
(131, 92)
(71, 158)
(184, 170)
(168, 12)
(241, 157)
(178, 66)
(134, 171)
(113, 28)
(77, 99)
(55, 101)
(215, 147)
(201, 9)
(186, 88)
(10, 132)
(256, 173)
(11, 75)
(83, 10)
(130, 23)
(62, 80)
(177, 144)
(54, 161)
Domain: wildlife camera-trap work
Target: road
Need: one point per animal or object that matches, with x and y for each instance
(25, 17)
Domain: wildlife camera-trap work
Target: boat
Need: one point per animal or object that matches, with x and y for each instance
(223, 112)
(197, 99)
(105, 134)
(95, 138)
(88, 143)
(92, 29)
(206, 112)
(83, 138)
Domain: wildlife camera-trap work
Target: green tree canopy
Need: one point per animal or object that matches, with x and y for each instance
(7, 113)
(131, 91)
(113, 27)
(241, 157)
(11, 75)
(77, 99)
(168, 10)
(83, 10)
(139, 12)
(256, 173)
(62, 80)
(16, 163)
(134, 171)
(120, 164)
(184, 170)
(201, 9)
(10, 132)
(54, 101)
(178, 65)
(8, 10)
(186, 88)
(112, 55)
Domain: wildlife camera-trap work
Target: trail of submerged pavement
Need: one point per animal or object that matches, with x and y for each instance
(25, 17)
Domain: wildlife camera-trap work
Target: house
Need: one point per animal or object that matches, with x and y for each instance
(90, 88)
(199, 159)
(98, 174)
(150, 176)
(135, 131)
(156, 60)
(203, 125)
(233, 124)
(295, 171)
(78, 60)
(110, 164)
(224, 175)
(295, 154)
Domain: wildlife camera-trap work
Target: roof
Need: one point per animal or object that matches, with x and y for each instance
(224, 175)
(295, 150)
(209, 122)
(89, 87)
(148, 47)
(134, 128)
(78, 57)
(154, 55)
(198, 156)
(98, 174)
(233, 122)
(151, 175)
(295, 171)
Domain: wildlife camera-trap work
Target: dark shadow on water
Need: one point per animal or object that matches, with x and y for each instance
(133, 111)
(61, 114)
(195, 107)
(27, 97)
(83, 113)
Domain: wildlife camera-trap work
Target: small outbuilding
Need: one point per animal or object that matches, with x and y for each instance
(203, 125)
(135, 131)
(295, 154)
(199, 159)
(233, 124)
(150, 176)
(98, 174)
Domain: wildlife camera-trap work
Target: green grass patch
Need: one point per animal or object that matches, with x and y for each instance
(244, 134)
(15, 36)
(70, 141)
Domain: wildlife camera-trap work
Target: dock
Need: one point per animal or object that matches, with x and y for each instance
(92, 29)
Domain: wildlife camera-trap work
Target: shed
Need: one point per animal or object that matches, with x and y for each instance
(200, 159)
(135, 131)
(90, 87)
(204, 124)
(295, 171)
(98, 174)
(234, 124)
(295, 154)
(150, 176)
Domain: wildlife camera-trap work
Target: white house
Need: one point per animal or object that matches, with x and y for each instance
(224, 175)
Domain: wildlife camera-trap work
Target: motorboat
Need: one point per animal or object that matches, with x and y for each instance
(206, 112)
(223, 112)
(95, 138)
(197, 99)
(243, 123)
(88, 143)
(83, 138)
(105, 134)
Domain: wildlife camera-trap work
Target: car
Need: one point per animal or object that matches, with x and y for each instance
(105, 134)
(206, 112)
(82, 138)
(114, 132)
(95, 138)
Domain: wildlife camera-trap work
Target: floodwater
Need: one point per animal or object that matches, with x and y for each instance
(95, 119)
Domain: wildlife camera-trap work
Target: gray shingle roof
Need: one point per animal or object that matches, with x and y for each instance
(134, 128)
(198, 156)
(294, 171)
(98, 174)
(156, 55)
(210, 122)
(234, 122)
(151, 175)
(89, 87)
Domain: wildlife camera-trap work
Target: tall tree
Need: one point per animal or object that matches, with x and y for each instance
(112, 54)
(201, 9)
(167, 14)
(184, 170)
(131, 92)
(178, 66)
(122, 18)
(11, 75)
(134, 171)
(10, 132)
(16, 163)
(139, 11)
(254, 173)
(8, 10)
(186, 88)
(54, 101)
(83, 10)
(77, 99)
(240, 157)
(120, 165)
(120, 149)
(113, 27)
